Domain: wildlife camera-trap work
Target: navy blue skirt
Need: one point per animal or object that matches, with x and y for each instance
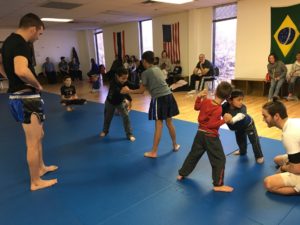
(163, 107)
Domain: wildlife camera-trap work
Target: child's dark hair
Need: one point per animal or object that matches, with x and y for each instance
(148, 56)
(121, 71)
(236, 93)
(224, 90)
(276, 106)
(66, 77)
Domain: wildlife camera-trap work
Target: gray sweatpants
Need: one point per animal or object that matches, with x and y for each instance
(109, 112)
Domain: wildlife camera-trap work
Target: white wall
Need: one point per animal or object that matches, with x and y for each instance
(199, 35)
(57, 43)
(131, 32)
(253, 36)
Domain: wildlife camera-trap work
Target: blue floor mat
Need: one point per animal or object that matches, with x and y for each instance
(108, 181)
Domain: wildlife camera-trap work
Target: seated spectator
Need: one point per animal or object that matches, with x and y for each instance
(174, 76)
(74, 71)
(156, 61)
(94, 76)
(292, 78)
(102, 71)
(163, 68)
(68, 95)
(203, 69)
(139, 68)
(49, 71)
(277, 71)
(133, 72)
(63, 67)
(165, 60)
(94, 71)
(126, 61)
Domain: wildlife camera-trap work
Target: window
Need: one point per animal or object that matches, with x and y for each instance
(224, 40)
(146, 36)
(100, 48)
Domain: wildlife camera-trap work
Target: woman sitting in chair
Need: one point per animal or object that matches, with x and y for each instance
(277, 71)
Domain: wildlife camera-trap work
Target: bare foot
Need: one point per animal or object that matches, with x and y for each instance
(69, 109)
(223, 188)
(260, 160)
(131, 138)
(102, 134)
(179, 177)
(150, 155)
(237, 152)
(42, 184)
(176, 147)
(47, 169)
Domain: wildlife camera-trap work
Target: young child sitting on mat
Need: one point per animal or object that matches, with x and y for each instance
(242, 124)
(120, 102)
(207, 137)
(69, 96)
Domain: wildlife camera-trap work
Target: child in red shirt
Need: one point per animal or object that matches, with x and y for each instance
(207, 137)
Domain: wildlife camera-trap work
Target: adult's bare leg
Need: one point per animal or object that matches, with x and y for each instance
(276, 184)
(33, 135)
(43, 168)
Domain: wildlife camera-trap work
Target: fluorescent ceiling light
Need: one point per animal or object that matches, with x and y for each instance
(56, 20)
(174, 1)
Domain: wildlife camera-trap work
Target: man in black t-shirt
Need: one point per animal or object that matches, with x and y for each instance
(204, 68)
(25, 101)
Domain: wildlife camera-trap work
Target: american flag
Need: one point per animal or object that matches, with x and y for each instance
(171, 41)
(119, 44)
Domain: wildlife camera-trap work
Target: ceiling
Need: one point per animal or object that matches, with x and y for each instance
(92, 14)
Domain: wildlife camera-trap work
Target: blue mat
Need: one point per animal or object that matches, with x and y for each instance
(108, 181)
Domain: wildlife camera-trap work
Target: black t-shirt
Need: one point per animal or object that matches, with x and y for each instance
(114, 96)
(15, 45)
(67, 92)
(206, 65)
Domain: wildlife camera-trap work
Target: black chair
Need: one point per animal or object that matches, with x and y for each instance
(212, 79)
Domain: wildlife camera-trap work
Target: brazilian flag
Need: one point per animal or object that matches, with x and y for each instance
(285, 27)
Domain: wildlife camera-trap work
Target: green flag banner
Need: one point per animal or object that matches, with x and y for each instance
(285, 27)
